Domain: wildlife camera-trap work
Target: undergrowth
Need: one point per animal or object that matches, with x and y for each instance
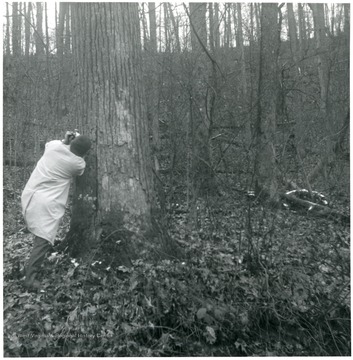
(253, 282)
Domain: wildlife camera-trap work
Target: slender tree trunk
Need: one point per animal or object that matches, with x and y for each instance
(166, 28)
(144, 24)
(198, 16)
(160, 29)
(227, 26)
(153, 26)
(292, 32)
(28, 29)
(67, 38)
(8, 49)
(211, 27)
(16, 36)
(47, 48)
(257, 20)
(39, 32)
(175, 28)
(242, 54)
(47, 40)
(216, 26)
(20, 19)
(60, 32)
(113, 198)
(265, 161)
(251, 24)
(322, 57)
(346, 19)
(332, 19)
(302, 33)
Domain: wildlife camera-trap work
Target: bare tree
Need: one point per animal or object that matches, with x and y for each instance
(16, 35)
(28, 29)
(198, 19)
(265, 160)
(7, 41)
(153, 26)
(39, 29)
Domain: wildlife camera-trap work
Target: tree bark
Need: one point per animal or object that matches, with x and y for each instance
(198, 18)
(28, 29)
(8, 49)
(67, 37)
(346, 28)
(60, 31)
(175, 28)
(292, 32)
(144, 25)
(39, 32)
(211, 27)
(16, 36)
(265, 159)
(166, 28)
(302, 32)
(322, 57)
(216, 26)
(113, 199)
(153, 26)
(242, 53)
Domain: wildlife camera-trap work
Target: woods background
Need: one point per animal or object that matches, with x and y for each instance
(232, 104)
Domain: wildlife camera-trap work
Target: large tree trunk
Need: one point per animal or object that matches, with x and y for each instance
(113, 198)
(265, 160)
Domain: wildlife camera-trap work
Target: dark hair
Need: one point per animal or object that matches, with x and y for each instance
(80, 145)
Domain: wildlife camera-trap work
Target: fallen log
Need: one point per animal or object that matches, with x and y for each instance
(315, 209)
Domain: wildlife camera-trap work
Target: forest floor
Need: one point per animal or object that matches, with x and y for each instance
(254, 282)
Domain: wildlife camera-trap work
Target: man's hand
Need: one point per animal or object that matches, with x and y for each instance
(69, 136)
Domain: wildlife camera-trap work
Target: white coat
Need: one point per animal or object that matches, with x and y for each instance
(45, 195)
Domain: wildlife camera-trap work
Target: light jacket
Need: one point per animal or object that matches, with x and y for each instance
(45, 195)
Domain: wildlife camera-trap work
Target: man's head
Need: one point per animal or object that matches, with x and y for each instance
(80, 145)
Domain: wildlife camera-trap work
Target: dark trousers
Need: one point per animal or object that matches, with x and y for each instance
(40, 248)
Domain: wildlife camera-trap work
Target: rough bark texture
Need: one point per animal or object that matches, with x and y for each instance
(114, 195)
(265, 160)
(198, 18)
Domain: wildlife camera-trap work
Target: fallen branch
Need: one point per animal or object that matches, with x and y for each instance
(314, 208)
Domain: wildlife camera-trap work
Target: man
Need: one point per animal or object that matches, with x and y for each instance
(45, 196)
